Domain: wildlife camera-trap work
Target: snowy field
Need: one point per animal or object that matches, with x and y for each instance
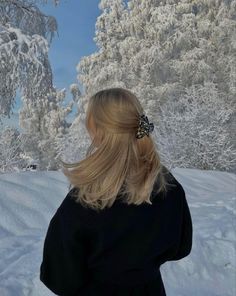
(28, 200)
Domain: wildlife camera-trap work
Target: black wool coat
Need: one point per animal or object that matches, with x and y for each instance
(118, 251)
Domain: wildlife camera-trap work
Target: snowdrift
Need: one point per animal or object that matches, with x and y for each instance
(28, 200)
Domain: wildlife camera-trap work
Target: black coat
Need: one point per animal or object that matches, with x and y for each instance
(117, 251)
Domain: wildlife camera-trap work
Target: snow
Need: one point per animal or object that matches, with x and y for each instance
(29, 199)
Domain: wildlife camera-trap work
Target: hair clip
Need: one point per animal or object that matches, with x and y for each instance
(145, 127)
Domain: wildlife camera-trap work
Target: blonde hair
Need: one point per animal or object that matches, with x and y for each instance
(122, 165)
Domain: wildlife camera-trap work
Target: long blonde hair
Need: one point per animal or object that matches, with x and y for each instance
(117, 164)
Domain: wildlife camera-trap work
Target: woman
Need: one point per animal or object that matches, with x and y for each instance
(126, 213)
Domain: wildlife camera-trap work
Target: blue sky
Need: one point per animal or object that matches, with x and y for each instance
(76, 30)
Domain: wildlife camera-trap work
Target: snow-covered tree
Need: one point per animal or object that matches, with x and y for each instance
(12, 156)
(200, 129)
(159, 50)
(25, 36)
(24, 64)
(73, 145)
(44, 125)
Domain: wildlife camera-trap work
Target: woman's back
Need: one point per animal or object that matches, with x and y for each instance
(102, 245)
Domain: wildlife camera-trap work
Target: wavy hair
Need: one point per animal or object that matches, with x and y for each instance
(117, 164)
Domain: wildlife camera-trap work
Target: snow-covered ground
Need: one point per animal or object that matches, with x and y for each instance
(28, 200)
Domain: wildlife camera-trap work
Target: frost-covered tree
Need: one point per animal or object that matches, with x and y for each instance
(12, 156)
(159, 50)
(44, 125)
(73, 145)
(24, 64)
(25, 36)
(200, 129)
